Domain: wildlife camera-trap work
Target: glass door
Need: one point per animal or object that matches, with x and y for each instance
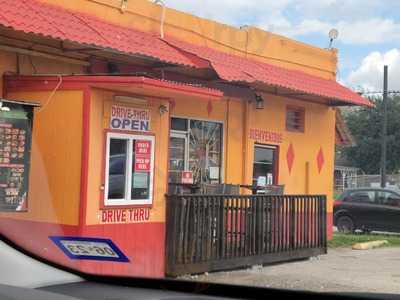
(177, 156)
(205, 151)
(264, 167)
(196, 146)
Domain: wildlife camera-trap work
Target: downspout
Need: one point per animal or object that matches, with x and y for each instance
(226, 132)
(307, 178)
(124, 6)
(162, 17)
(245, 28)
(245, 142)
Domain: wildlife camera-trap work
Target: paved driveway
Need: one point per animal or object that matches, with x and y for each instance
(341, 270)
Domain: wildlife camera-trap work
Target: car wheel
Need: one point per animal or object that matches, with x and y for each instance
(345, 224)
(366, 231)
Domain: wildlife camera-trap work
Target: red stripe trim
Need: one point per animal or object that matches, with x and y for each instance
(84, 156)
(276, 162)
(49, 82)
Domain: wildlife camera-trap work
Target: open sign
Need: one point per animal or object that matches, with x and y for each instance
(129, 118)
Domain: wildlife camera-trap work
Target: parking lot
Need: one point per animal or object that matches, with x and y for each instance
(341, 270)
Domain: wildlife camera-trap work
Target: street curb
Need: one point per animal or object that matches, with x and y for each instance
(369, 245)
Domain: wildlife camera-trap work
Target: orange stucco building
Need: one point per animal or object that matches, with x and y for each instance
(220, 104)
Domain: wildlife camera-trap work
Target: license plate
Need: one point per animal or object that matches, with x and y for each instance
(89, 248)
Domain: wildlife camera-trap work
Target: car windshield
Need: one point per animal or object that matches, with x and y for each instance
(253, 143)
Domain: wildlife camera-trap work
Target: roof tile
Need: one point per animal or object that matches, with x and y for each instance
(31, 16)
(235, 68)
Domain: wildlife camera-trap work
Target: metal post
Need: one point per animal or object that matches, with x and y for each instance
(384, 127)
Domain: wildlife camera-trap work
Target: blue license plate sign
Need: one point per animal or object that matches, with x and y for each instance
(89, 248)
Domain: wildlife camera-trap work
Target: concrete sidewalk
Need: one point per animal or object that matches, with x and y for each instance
(341, 270)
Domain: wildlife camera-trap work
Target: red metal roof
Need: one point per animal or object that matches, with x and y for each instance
(235, 68)
(343, 135)
(31, 16)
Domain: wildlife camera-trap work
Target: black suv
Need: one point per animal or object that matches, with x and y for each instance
(367, 209)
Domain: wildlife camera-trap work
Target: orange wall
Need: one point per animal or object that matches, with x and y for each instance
(8, 64)
(54, 179)
(55, 168)
(235, 143)
(260, 45)
(318, 134)
(56, 152)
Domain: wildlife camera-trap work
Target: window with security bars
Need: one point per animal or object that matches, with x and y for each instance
(295, 119)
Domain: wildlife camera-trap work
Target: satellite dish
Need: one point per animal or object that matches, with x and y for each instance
(333, 35)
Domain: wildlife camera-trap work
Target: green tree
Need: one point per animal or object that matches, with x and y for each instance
(365, 125)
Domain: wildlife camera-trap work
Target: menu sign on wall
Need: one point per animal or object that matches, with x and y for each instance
(15, 136)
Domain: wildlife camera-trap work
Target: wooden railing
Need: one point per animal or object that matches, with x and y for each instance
(216, 232)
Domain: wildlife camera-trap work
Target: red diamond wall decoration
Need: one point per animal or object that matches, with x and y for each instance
(320, 160)
(290, 157)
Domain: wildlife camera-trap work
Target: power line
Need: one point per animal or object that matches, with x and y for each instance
(378, 92)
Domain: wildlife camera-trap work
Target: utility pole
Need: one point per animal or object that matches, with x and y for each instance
(384, 127)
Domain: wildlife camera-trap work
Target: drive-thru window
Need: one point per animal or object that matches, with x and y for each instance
(129, 169)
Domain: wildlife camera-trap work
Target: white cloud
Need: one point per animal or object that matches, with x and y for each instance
(371, 31)
(358, 21)
(289, 29)
(362, 23)
(233, 12)
(369, 75)
(333, 10)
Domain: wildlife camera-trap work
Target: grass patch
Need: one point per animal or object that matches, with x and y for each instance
(347, 240)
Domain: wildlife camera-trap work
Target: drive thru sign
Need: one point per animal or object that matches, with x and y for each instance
(129, 118)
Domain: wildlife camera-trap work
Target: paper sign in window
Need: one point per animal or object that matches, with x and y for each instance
(142, 156)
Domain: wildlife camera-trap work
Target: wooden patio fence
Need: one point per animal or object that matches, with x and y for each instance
(218, 232)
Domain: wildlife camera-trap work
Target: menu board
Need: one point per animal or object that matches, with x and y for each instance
(15, 134)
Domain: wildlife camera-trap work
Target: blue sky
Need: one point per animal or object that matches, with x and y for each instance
(369, 30)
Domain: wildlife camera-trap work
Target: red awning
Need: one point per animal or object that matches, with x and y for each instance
(343, 136)
(238, 69)
(123, 83)
(32, 16)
